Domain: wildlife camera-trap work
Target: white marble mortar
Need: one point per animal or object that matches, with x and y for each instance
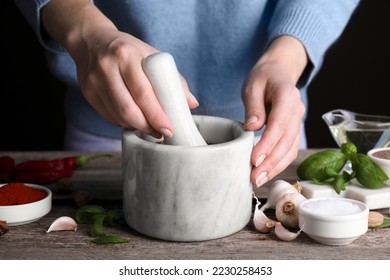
(189, 193)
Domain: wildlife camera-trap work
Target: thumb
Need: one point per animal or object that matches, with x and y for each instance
(254, 103)
(191, 100)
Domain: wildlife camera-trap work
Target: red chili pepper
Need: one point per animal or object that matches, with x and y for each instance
(7, 167)
(42, 176)
(72, 162)
(50, 171)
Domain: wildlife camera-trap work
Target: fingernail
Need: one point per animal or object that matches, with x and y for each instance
(166, 132)
(261, 179)
(194, 99)
(259, 160)
(251, 120)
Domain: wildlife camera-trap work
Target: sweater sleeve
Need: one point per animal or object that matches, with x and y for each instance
(31, 10)
(317, 24)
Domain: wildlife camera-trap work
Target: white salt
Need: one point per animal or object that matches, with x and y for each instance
(332, 207)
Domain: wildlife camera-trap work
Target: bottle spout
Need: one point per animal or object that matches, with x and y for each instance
(338, 116)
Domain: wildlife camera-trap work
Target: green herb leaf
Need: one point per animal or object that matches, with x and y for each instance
(385, 224)
(97, 216)
(322, 166)
(109, 239)
(368, 173)
(340, 182)
(113, 216)
(97, 226)
(85, 214)
(348, 149)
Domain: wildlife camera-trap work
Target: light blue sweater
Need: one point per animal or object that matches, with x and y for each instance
(215, 43)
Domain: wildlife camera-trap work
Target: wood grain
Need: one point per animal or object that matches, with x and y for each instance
(31, 241)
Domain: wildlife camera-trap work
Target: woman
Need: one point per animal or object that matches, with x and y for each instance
(268, 51)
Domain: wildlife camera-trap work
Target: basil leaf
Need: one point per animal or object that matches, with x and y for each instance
(348, 149)
(84, 214)
(113, 216)
(340, 182)
(330, 172)
(385, 224)
(109, 239)
(321, 166)
(97, 226)
(368, 173)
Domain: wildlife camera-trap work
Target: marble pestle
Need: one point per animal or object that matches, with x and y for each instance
(161, 70)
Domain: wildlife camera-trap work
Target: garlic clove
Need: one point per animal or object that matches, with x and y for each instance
(63, 223)
(262, 223)
(282, 233)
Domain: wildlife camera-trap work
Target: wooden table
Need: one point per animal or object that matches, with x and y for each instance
(102, 180)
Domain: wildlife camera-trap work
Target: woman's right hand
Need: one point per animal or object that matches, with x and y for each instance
(109, 67)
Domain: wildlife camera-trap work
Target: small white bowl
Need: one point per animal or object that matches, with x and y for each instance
(22, 214)
(333, 221)
(384, 163)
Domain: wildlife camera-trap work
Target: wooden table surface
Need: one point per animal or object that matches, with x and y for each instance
(101, 179)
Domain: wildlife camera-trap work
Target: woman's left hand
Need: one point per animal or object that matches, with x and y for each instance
(272, 99)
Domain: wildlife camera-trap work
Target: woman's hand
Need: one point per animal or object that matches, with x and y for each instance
(109, 66)
(272, 99)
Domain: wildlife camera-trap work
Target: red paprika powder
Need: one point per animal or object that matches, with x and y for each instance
(19, 193)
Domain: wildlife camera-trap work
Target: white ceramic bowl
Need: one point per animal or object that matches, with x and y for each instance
(26, 213)
(333, 221)
(384, 163)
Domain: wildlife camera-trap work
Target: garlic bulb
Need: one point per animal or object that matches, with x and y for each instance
(276, 192)
(286, 209)
(63, 223)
